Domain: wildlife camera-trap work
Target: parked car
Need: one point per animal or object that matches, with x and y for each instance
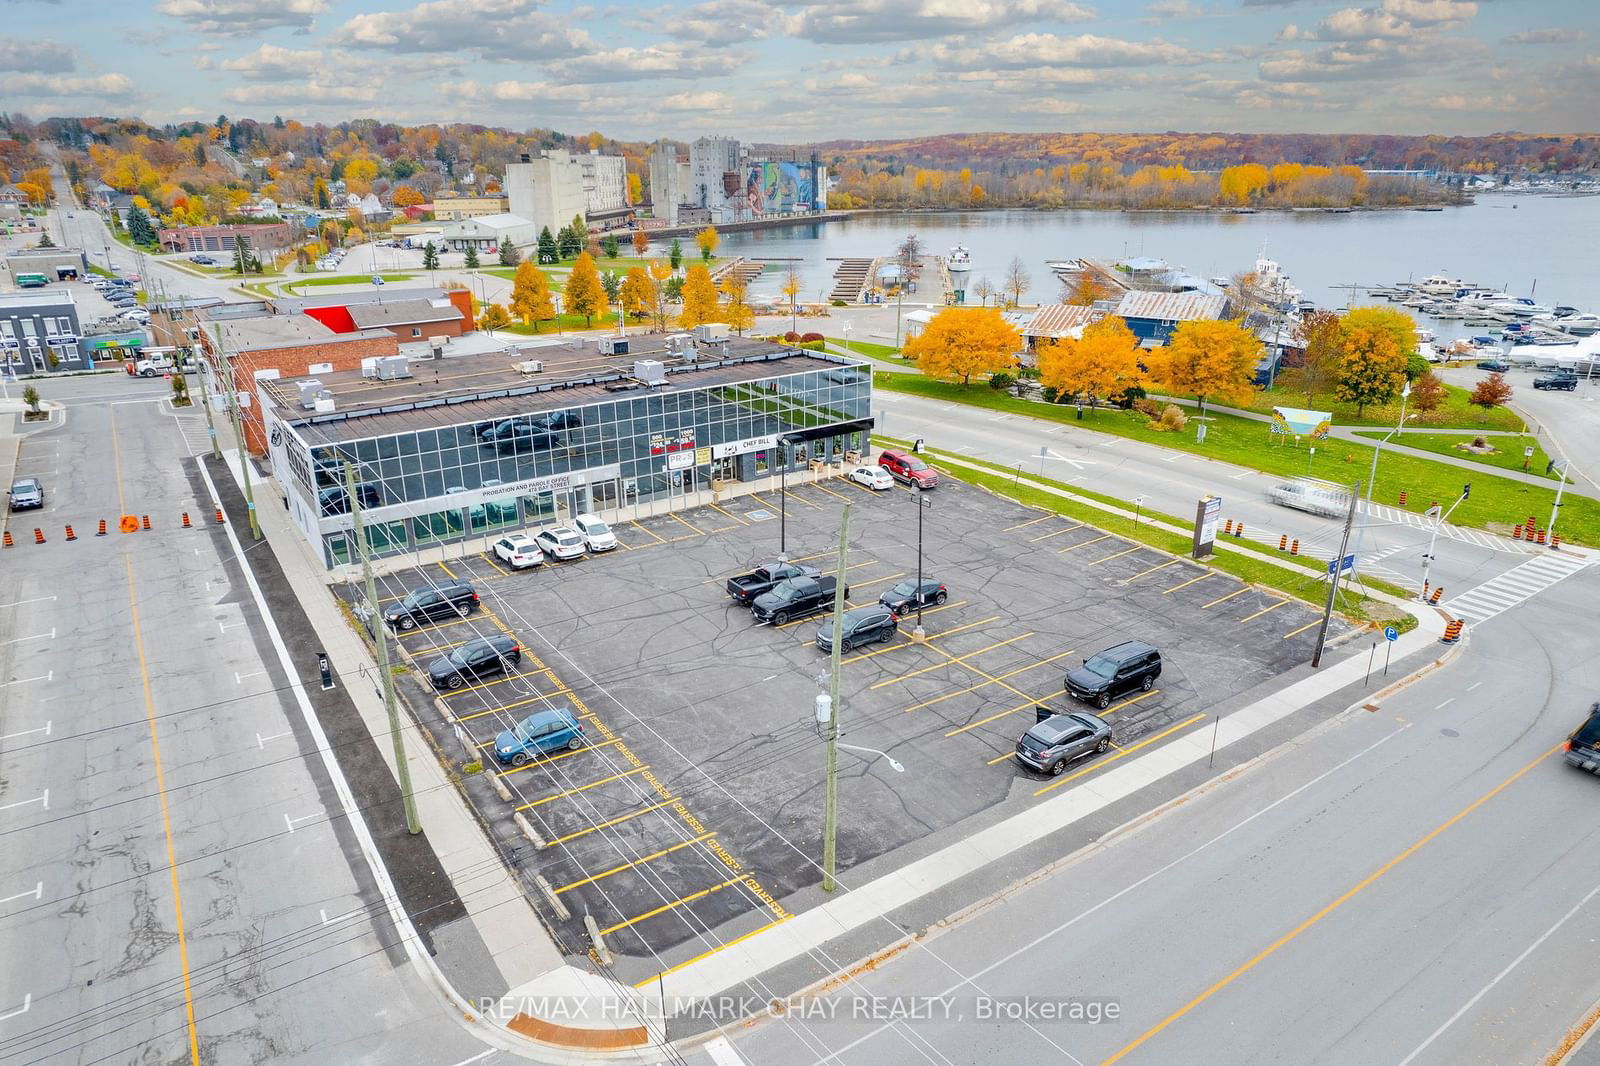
(907, 596)
(560, 542)
(480, 658)
(1055, 741)
(860, 625)
(203, 260)
(1498, 366)
(873, 477)
(456, 599)
(746, 587)
(26, 494)
(335, 500)
(1133, 664)
(516, 434)
(519, 551)
(1582, 748)
(538, 734)
(795, 598)
(1561, 379)
(908, 468)
(597, 536)
(1315, 497)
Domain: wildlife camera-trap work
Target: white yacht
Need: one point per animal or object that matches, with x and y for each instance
(959, 259)
(1521, 306)
(1582, 324)
(1439, 285)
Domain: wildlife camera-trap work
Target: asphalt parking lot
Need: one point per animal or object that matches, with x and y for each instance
(695, 809)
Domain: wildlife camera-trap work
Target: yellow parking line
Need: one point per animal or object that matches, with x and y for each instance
(614, 821)
(1302, 629)
(1084, 544)
(494, 561)
(534, 763)
(981, 684)
(794, 494)
(630, 865)
(1129, 702)
(642, 529)
(927, 611)
(669, 906)
(482, 685)
(1119, 555)
(1002, 758)
(1029, 522)
(448, 572)
(540, 698)
(649, 981)
(1153, 569)
(1263, 611)
(985, 721)
(912, 643)
(955, 661)
(1229, 596)
(582, 788)
(730, 514)
(875, 580)
(1120, 753)
(1186, 584)
(830, 492)
(1056, 533)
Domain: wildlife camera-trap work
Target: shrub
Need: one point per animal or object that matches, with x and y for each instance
(840, 303)
(1051, 394)
(1028, 373)
(813, 346)
(1171, 421)
(1147, 407)
(1000, 380)
(810, 336)
(791, 336)
(474, 767)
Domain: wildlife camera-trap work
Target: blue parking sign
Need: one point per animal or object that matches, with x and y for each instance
(1391, 633)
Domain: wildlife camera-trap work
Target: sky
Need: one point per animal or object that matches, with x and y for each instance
(818, 70)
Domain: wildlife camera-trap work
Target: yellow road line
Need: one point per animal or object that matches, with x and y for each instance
(1056, 533)
(1120, 753)
(647, 982)
(1119, 555)
(1186, 584)
(583, 788)
(1263, 611)
(122, 509)
(615, 821)
(1224, 599)
(1129, 702)
(982, 684)
(161, 792)
(535, 763)
(1029, 522)
(636, 862)
(955, 661)
(1153, 569)
(670, 906)
(1302, 629)
(1084, 544)
(1255, 960)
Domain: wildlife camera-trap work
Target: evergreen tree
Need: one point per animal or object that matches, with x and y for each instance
(139, 227)
(430, 257)
(570, 242)
(611, 281)
(509, 256)
(548, 250)
(199, 153)
(675, 254)
(241, 261)
(610, 246)
(46, 242)
(472, 257)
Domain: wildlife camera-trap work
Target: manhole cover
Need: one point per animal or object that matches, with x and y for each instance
(1450, 732)
(758, 515)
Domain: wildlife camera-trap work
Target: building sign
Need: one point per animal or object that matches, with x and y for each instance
(549, 483)
(702, 456)
(661, 443)
(680, 460)
(131, 341)
(1206, 513)
(739, 447)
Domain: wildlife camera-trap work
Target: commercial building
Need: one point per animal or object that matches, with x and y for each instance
(39, 332)
(261, 238)
(729, 186)
(669, 181)
(1054, 322)
(1152, 316)
(412, 320)
(488, 232)
(455, 208)
(454, 448)
(55, 264)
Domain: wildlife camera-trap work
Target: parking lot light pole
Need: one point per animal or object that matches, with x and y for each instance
(894, 764)
(922, 505)
(830, 810)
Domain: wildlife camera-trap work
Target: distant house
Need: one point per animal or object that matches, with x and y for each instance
(100, 197)
(265, 238)
(488, 232)
(12, 195)
(121, 205)
(1152, 316)
(1054, 322)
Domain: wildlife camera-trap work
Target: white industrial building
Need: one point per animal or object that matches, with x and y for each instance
(716, 166)
(488, 232)
(605, 182)
(669, 181)
(556, 186)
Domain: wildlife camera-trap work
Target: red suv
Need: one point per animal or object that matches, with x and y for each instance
(905, 467)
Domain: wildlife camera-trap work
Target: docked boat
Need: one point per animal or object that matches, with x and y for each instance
(1581, 324)
(959, 260)
(1439, 285)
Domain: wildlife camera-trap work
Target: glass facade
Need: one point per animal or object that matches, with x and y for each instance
(642, 448)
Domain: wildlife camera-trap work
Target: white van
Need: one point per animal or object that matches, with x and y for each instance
(1308, 494)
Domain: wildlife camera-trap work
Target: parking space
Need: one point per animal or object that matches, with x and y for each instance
(694, 809)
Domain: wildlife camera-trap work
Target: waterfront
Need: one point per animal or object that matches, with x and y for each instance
(1506, 241)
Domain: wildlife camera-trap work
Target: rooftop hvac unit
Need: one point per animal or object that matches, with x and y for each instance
(689, 352)
(711, 331)
(310, 389)
(676, 342)
(369, 367)
(531, 366)
(436, 347)
(392, 367)
(613, 346)
(650, 371)
(325, 405)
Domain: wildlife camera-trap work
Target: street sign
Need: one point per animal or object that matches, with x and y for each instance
(1348, 564)
(1391, 633)
(1207, 511)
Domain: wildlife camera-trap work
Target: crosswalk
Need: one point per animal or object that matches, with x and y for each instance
(1512, 587)
(1466, 536)
(192, 424)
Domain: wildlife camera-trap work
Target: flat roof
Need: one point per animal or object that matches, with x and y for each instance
(404, 312)
(285, 331)
(51, 297)
(487, 387)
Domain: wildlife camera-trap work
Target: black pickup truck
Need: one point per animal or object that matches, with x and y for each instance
(746, 587)
(795, 598)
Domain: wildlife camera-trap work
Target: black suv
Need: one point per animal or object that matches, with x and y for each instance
(907, 596)
(474, 659)
(1561, 379)
(862, 625)
(428, 604)
(1582, 748)
(1129, 665)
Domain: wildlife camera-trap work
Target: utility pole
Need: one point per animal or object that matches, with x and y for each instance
(381, 638)
(1555, 512)
(1338, 572)
(238, 433)
(205, 399)
(830, 813)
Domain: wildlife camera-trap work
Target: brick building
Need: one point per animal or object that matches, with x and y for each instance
(261, 238)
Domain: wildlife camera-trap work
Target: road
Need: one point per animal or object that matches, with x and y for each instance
(1567, 422)
(173, 878)
(1405, 886)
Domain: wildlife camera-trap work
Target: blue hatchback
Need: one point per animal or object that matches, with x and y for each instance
(539, 734)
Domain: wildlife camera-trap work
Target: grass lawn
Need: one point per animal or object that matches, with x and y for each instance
(346, 279)
(1496, 503)
(1507, 457)
(569, 324)
(1454, 413)
(876, 351)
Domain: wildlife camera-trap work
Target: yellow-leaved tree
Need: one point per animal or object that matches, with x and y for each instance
(735, 311)
(1373, 368)
(584, 293)
(1102, 365)
(699, 297)
(660, 271)
(1208, 359)
(962, 342)
(637, 294)
(708, 240)
(493, 317)
(530, 295)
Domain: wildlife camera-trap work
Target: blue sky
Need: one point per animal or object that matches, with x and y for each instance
(819, 70)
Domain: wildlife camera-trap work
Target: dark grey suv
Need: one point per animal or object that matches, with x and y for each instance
(1055, 741)
(483, 657)
(1133, 664)
(457, 600)
(861, 625)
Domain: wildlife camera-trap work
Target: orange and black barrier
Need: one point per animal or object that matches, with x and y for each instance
(1403, 497)
(1227, 527)
(38, 535)
(70, 534)
(146, 522)
(1452, 631)
(186, 524)
(1294, 546)
(1541, 536)
(1555, 541)
(1437, 593)
(1516, 534)
(219, 516)
(1238, 530)
(102, 530)
(8, 541)
(1283, 542)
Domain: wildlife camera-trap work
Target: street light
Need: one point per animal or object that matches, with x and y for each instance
(923, 505)
(781, 453)
(846, 327)
(1372, 475)
(894, 764)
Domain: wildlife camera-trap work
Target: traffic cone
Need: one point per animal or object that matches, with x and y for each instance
(1238, 530)
(1283, 541)
(102, 531)
(186, 524)
(1541, 536)
(1438, 592)
(1227, 527)
(219, 516)
(1516, 534)
(1452, 631)
(1294, 546)
(1403, 495)
(8, 542)
(146, 522)
(1425, 587)
(70, 534)
(1555, 541)
(38, 535)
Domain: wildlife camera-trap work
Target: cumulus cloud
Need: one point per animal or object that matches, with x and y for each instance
(716, 23)
(508, 30)
(118, 87)
(239, 17)
(668, 60)
(866, 21)
(704, 101)
(1050, 50)
(312, 91)
(1395, 19)
(272, 63)
(1549, 35)
(43, 57)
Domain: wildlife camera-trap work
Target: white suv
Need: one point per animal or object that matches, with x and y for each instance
(595, 533)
